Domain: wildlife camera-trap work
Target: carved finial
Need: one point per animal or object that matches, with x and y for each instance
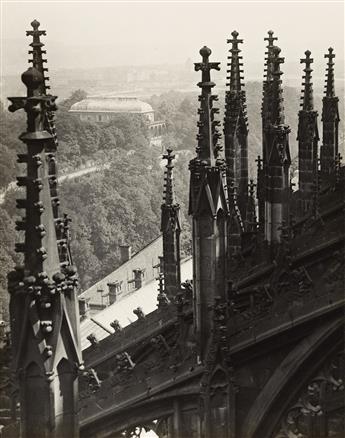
(92, 339)
(270, 39)
(116, 326)
(267, 77)
(205, 66)
(329, 87)
(37, 52)
(161, 283)
(234, 205)
(168, 180)
(207, 149)
(139, 313)
(162, 297)
(251, 188)
(307, 92)
(38, 107)
(259, 162)
(251, 219)
(235, 99)
(32, 79)
(235, 66)
(276, 109)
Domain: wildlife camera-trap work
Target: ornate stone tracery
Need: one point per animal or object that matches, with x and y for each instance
(317, 409)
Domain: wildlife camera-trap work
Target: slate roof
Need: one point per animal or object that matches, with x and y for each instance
(122, 310)
(146, 258)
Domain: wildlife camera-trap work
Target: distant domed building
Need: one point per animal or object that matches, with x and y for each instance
(103, 109)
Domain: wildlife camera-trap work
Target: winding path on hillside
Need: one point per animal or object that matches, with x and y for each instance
(67, 176)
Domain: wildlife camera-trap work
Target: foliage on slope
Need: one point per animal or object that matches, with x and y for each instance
(117, 205)
(120, 204)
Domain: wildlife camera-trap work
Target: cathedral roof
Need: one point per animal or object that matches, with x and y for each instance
(122, 310)
(112, 104)
(144, 259)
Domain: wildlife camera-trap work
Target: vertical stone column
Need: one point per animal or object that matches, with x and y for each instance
(307, 142)
(209, 209)
(171, 229)
(277, 152)
(236, 126)
(330, 120)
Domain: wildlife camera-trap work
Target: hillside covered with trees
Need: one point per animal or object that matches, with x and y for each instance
(119, 204)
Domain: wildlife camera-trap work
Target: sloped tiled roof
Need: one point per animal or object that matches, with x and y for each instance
(145, 297)
(145, 258)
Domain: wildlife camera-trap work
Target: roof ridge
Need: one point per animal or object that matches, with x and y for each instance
(122, 264)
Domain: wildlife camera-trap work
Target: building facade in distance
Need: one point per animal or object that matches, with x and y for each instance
(104, 108)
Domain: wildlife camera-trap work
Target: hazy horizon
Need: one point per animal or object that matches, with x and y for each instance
(90, 35)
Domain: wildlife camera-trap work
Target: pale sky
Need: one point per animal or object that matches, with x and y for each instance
(97, 34)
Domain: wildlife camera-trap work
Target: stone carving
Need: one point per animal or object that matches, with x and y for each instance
(139, 313)
(93, 339)
(116, 326)
(124, 362)
(312, 402)
(138, 431)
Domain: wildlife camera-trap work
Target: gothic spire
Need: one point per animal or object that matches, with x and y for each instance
(37, 53)
(209, 209)
(235, 105)
(329, 86)
(268, 65)
(276, 152)
(308, 138)
(208, 136)
(330, 120)
(235, 126)
(266, 95)
(276, 101)
(236, 64)
(171, 229)
(38, 217)
(43, 305)
(168, 195)
(265, 115)
(270, 40)
(235, 228)
(251, 220)
(307, 92)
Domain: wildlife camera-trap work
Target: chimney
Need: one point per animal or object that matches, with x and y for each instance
(125, 252)
(84, 309)
(138, 278)
(114, 288)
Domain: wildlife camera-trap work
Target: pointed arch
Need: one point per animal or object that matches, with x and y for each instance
(218, 403)
(289, 378)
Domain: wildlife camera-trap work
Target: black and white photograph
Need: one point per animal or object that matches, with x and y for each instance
(172, 219)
